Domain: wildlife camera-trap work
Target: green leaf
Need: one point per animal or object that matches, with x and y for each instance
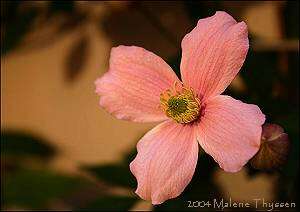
(115, 174)
(34, 188)
(111, 203)
(22, 144)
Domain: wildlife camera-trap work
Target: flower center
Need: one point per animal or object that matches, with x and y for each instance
(180, 104)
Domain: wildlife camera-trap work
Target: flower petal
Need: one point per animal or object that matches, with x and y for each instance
(130, 89)
(230, 131)
(166, 161)
(213, 53)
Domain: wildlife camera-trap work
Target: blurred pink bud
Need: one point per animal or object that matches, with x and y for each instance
(274, 148)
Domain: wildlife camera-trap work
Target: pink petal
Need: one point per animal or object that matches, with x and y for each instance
(230, 131)
(166, 161)
(130, 89)
(213, 53)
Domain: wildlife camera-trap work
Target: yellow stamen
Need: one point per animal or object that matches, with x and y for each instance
(180, 104)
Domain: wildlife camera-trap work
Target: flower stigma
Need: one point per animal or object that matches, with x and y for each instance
(180, 104)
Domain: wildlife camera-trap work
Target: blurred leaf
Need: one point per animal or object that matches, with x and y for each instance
(34, 189)
(18, 17)
(77, 58)
(111, 203)
(114, 174)
(15, 23)
(147, 12)
(22, 144)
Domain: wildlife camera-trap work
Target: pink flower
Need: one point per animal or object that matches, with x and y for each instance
(141, 87)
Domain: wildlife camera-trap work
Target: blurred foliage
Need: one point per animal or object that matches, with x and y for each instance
(30, 187)
(275, 90)
(77, 58)
(117, 174)
(18, 147)
(38, 187)
(14, 24)
(111, 203)
(114, 174)
(19, 17)
(22, 144)
(35, 188)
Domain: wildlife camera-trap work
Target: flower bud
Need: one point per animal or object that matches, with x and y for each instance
(274, 148)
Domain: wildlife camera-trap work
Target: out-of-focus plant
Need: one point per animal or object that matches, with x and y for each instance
(274, 148)
(28, 183)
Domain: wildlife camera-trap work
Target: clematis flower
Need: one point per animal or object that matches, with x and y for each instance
(139, 86)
